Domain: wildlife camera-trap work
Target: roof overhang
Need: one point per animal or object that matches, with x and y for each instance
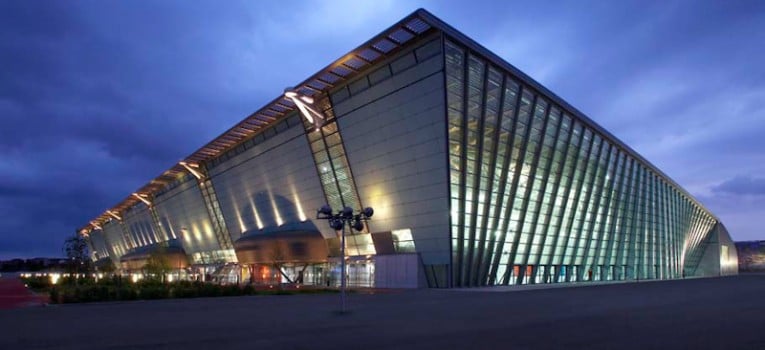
(318, 85)
(418, 24)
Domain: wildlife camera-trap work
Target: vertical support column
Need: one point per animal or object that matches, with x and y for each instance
(159, 233)
(163, 236)
(599, 221)
(491, 200)
(528, 117)
(585, 151)
(555, 166)
(126, 236)
(89, 243)
(130, 243)
(211, 204)
(478, 234)
(589, 172)
(526, 226)
(568, 166)
(510, 107)
(216, 215)
(331, 160)
(111, 248)
(624, 225)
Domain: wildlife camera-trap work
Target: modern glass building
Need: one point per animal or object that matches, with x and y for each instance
(478, 176)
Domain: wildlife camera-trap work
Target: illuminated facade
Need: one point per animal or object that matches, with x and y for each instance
(478, 176)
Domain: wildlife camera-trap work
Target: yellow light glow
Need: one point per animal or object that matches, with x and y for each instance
(195, 232)
(143, 199)
(255, 213)
(154, 236)
(190, 167)
(378, 194)
(172, 231)
(208, 230)
(278, 216)
(301, 213)
(113, 214)
(242, 227)
(54, 278)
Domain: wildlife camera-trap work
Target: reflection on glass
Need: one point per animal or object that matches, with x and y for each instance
(539, 197)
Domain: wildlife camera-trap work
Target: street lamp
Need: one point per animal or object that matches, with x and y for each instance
(337, 222)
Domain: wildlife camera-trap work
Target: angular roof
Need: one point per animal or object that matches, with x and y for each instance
(418, 24)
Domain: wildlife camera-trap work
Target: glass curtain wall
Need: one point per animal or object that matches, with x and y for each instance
(216, 215)
(335, 175)
(537, 196)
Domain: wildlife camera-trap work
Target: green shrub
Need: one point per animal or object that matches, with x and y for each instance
(124, 292)
(231, 290)
(116, 288)
(153, 292)
(248, 290)
(209, 290)
(54, 294)
(186, 291)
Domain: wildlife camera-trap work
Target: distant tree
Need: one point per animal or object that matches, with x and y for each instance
(158, 265)
(76, 251)
(34, 265)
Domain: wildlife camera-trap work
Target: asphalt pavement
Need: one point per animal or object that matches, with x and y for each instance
(710, 313)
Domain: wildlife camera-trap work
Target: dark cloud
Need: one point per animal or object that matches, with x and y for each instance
(742, 185)
(93, 104)
(96, 98)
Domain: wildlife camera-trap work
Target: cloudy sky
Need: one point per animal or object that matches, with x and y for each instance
(98, 97)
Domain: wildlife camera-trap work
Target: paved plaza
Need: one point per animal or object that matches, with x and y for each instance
(714, 313)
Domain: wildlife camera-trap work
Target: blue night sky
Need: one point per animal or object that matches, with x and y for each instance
(98, 97)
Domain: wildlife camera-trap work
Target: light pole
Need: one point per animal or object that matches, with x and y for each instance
(337, 222)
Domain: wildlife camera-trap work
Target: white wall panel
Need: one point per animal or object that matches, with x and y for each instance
(395, 137)
(138, 221)
(183, 212)
(113, 234)
(271, 187)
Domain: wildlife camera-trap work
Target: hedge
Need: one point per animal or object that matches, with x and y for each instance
(109, 290)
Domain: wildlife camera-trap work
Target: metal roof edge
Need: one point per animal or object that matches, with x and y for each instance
(206, 152)
(235, 136)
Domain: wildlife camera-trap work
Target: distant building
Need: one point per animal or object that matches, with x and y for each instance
(478, 176)
(34, 264)
(751, 256)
